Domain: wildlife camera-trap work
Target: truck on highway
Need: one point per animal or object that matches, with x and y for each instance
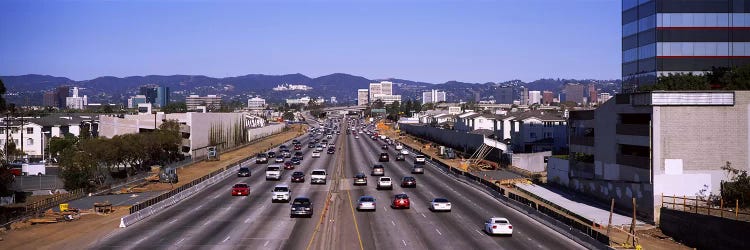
(33, 169)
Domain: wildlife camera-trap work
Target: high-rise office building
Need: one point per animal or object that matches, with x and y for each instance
(574, 93)
(433, 96)
(384, 91)
(504, 95)
(156, 95)
(660, 37)
(362, 97)
(211, 102)
(548, 97)
(535, 97)
(524, 96)
(592, 94)
(75, 101)
(135, 100)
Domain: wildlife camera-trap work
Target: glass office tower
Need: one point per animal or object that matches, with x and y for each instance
(660, 37)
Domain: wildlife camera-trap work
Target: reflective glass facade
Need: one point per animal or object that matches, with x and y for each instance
(682, 36)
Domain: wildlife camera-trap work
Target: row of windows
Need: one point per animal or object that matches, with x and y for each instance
(687, 49)
(29, 142)
(15, 130)
(642, 52)
(703, 20)
(628, 4)
(641, 25)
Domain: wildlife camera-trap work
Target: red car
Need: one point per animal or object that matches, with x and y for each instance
(297, 147)
(401, 201)
(240, 189)
(288, 165)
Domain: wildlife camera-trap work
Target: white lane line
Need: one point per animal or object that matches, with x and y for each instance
(217, 196)
(225, 240)
(180, 241)
(173, 221)
(199, 206)
(423, 215)
(477, 230)
(403, 241)
(394, 223)
(264, 245)
(438, 231)
(247, 220)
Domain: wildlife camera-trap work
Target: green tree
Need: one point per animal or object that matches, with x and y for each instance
(174, 107)
(679, 82)
(738, 186)
(428, 106)
(289, 116)
(736, 79)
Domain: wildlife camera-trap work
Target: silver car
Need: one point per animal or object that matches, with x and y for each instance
(417, 169)
(440, 204)
(366, 203)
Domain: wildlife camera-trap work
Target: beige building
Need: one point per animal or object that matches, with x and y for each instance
(362, 97)
(211, 102)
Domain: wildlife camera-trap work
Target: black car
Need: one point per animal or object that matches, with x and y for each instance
(296, 160)
(271, 154)
(282, 147)
(301, 206)
(331, 150)
(383, 157)
(400, 157)
(311, 145)
(243, 172)
(299, 155)
(385, 146)
(409, 181)
(360, 179)
(298, 177)
(261, 158)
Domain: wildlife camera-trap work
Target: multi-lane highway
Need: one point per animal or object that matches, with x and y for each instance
(215, 219)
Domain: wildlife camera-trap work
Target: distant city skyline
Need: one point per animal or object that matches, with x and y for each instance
(435, 42)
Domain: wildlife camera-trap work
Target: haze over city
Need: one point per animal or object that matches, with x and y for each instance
(470, 41)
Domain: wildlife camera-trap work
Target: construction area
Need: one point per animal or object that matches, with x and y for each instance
(102, 217)
(519, 184)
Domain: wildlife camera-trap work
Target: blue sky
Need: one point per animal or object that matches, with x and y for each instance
(431, 41)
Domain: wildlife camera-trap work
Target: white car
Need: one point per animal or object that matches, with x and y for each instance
(399, 147)
(356, 137)
(316, 154)
(440, 204)
(498, 225)
(404, 152)
(385, 183)
(281, 193)
(318, 176)
(274, 172)
(366, 203)
(419, 159)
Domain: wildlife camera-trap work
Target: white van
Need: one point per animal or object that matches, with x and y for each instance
(274, 172)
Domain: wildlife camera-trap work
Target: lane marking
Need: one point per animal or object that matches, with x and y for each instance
(394, 223)
(179, 241)
(423, 215)
(356, 227)
(266, 244)
(173, 221)
(403, 241)
(438, 231)
(225, 240)
(477, 230)
(247, 220)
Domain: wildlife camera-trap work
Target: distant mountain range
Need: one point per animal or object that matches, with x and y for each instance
(29, 89)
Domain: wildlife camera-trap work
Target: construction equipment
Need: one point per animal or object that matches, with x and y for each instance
(478, 156)
(162, 174)
(447, 153)
(213, 154)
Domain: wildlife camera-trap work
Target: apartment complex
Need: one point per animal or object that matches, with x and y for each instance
(647, 144)
(256, 102)
(433, 96)
(660, 37)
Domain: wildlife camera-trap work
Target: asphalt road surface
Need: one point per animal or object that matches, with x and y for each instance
(213, 219)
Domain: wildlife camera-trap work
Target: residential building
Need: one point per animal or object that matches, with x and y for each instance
(644, 145)
(534, 131)
(666, 36)
(304, 100)
(32, 134)
(604, 97)
(433, 96)
(211, 102)
(454, 110)
(75, 101)
(135, 100)
(362, 97)
(535, 97)
(504, 95)
(574, 93)
(256, 102)
(591, 94)
(286, 87)
(548, 97)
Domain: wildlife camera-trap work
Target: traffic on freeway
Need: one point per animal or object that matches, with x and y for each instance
(349, 188)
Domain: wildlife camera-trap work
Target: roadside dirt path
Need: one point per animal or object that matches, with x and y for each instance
(90, 227)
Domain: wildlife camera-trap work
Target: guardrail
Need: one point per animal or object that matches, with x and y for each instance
(718, 208)
(559, 222)
(38, 207)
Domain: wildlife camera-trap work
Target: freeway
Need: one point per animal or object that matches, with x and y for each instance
(214, 219)
(418, 227)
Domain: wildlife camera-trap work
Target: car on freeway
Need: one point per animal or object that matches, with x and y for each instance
(356, 137)
(295, 142)
(401, 201)
(383, 157)
(298, 176)
(319, 148)
(281, 193)
(299, 155)
(440, 204)
(243, 172)
(360, 179)
(297, 147)
(318, 176)
(417, 169)
(366, 203)
(315, 154)
(400, 157)
(498, 226)
(271, 154)
(301, 206)
(288, 165)
(286, 153)
(420, 159)
(296, 160)
(378, 170)
(399, 146)
(240, 189)
(261, 158)
(311, 145)
(385, 183)
(404, 152)
(331, 150)
(274, 172)
(408, 181)
(279, 159)
(385, 146)
(283, 147)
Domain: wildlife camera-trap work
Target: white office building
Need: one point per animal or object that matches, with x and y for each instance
(362, 97)
(381, 88)
(535, 97)
(75, 101)
(433, 96)
(256, 102)
(388, 99)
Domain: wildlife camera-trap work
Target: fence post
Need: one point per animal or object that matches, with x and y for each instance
(721, 207)
(684, 203)
(708, 205)
(674, 201)
(662, 199)
(736, 209)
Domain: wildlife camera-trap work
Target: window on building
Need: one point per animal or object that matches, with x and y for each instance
(532, 135)
(2, 131)
(29, 142)
(30, 130)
